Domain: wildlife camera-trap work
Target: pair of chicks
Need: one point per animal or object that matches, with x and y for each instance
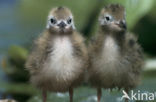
(60, 58)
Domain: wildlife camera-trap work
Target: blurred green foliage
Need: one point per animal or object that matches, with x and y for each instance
(17, 54)
(84, 11)
(13, 64)
(145, 28)
(18, 83)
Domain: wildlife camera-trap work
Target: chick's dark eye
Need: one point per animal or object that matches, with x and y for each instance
(69, 21)
(53, 21)
(107, 18)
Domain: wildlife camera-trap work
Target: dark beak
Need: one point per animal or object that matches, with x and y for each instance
(62, 24)
(123, 24)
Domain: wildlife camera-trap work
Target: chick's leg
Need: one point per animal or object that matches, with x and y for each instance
(44, 96)
(71, 94)
(99, 93)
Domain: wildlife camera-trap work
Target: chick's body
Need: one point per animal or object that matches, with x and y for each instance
(114, 65)
(63, 62)
(115, 56)
(59, 58)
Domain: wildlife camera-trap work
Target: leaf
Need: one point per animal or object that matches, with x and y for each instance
(17, 53)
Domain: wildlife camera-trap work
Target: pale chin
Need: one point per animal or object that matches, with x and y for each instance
(68, 27)
(56, 27)
(116, 27)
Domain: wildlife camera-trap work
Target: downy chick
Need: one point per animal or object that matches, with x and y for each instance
(59, 58)
(115, 56)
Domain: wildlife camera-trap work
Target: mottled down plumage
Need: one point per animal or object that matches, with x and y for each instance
(53, 72)
(59, 58)
(115, 56)
(115, 66)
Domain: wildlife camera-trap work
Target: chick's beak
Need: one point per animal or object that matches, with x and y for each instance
(121, 24)
(62, 24)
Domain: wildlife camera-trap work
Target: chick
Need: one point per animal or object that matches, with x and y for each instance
(59, 58)
(115, 56)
